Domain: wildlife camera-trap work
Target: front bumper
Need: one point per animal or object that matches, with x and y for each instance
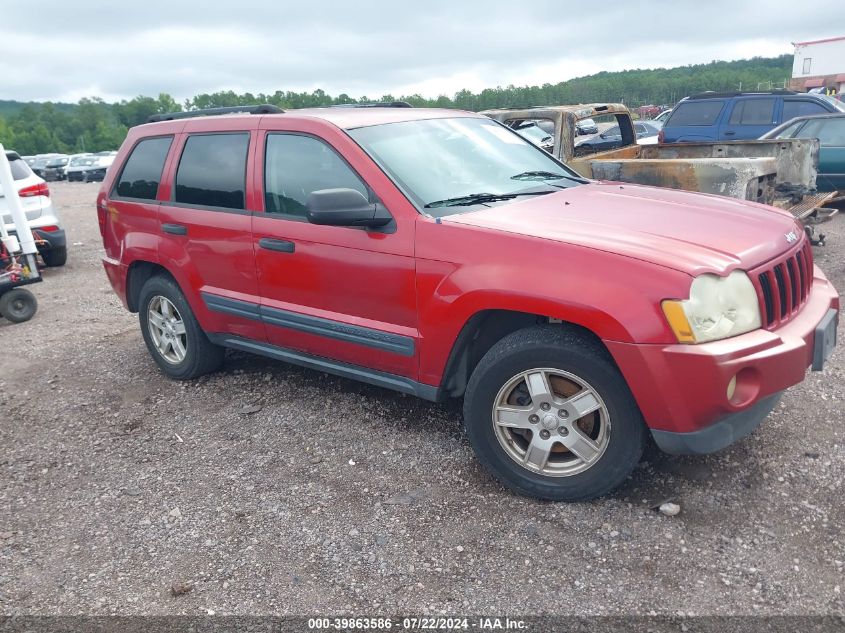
(719, 435)
(683, 389)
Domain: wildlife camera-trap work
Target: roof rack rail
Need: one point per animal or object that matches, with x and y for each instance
(375, 104)
(264, 108)
(712, 94)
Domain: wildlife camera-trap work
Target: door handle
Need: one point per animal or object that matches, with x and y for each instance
(175, 229)
(730, 133)
(281, 246)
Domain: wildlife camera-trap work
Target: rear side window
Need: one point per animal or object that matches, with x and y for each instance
(793, 108)
(20, 169)
(753, 112)
(295, 166)
(142, 173)
(212, 171)
(696, 113)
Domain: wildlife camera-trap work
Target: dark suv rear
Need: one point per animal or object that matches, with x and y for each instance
(712, 116)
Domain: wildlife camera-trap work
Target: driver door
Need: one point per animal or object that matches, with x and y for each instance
(342, 293)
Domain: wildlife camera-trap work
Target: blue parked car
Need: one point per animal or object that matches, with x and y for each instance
(735, 116)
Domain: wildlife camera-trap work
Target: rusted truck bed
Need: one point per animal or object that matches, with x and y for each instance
(776, 172)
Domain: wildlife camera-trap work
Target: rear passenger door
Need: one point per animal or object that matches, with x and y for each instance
(205, 234)
(749, 119)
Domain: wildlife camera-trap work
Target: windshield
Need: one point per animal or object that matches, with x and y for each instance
(836, 103)
(57, 162)
(437, 160)
(79, 160)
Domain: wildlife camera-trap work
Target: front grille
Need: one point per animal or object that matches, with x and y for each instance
(783, 285)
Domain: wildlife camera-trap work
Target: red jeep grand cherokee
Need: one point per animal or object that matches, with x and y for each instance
(437, 253)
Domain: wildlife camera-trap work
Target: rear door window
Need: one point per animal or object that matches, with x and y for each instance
(141, 175)
(753, 112)
(696, 113)
(800, 107)
(212, 171)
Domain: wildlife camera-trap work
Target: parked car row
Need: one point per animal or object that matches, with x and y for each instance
(89, 167)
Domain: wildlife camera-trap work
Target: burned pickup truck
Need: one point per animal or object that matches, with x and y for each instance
(776, 172)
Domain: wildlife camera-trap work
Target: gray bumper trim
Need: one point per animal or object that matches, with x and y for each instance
(718, 435)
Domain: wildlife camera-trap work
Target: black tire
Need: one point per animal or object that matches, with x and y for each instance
(18, 305)
(54, 257)
(554, 347)
(201, 356)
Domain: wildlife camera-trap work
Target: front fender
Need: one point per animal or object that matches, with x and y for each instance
(616, 302)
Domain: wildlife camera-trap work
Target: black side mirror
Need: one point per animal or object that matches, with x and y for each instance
(344, 207)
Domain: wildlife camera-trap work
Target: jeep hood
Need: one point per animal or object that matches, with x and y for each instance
(690, 232)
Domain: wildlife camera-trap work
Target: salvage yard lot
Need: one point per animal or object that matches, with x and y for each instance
(267, 488)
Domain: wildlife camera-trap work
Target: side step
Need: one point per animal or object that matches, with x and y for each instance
(319, 363)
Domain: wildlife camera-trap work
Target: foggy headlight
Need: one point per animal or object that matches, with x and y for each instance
(718, 307)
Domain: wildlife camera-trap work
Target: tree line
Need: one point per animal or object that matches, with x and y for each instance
(93, 125)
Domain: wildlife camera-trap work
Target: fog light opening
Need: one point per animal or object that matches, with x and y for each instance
(731, 389)
(744, 387)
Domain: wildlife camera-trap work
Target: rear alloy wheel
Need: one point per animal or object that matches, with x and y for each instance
(167, 330)
(172, 334)
(550, 415)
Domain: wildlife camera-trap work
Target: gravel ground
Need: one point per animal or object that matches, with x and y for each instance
(266, 488)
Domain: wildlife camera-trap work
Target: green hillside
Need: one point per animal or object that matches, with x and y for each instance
(92, 125)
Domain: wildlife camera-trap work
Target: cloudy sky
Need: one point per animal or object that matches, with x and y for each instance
(63, 50)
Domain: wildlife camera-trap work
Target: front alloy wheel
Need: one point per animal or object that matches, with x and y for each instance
(538, 410)
(551, 422)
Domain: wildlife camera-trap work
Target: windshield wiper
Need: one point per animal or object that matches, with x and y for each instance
(480, 198)
(545, 175)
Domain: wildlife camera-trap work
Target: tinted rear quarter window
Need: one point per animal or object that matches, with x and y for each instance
(795, 107)
(141, 175)
(212, 171)
(696, 113)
